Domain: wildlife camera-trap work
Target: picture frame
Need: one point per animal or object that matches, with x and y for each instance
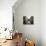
(28, 20)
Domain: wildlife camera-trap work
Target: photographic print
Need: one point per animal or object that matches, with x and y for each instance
(28, 20)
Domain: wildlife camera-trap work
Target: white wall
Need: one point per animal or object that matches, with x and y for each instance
(6, 13)
(29, 8)
(43, 22)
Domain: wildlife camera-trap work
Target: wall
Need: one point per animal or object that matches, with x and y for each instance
(43, 22)
(29, 8)
(6, 13)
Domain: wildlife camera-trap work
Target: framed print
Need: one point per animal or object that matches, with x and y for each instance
(28, 20)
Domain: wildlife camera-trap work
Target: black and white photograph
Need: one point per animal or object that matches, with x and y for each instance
(28, 20)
